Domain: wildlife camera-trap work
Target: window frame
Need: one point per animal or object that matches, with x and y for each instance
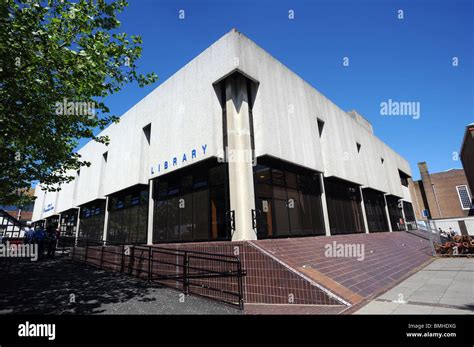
(460, 198)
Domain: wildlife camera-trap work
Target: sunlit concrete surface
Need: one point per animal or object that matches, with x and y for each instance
(445, 286)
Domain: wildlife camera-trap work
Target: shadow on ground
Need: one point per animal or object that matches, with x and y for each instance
(61, 286)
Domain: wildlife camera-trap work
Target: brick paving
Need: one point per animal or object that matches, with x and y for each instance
(388, 258)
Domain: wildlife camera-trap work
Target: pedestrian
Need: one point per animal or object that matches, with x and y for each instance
(28, 238)
(443, 235)
(38, 238)
(50, 240)
(452, 233)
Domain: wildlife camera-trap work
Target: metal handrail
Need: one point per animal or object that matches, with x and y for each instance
(186, 276)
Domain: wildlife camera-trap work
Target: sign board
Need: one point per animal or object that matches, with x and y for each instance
(425, 213)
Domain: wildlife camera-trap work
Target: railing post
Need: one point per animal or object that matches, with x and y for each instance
(150, 259)
(239, 279)
(185, 273)
(85, 252)
(123, 259)
(102, 257)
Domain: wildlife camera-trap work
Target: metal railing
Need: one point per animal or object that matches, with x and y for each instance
(212, 275)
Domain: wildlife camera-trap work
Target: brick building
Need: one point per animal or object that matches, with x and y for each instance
(445, 195)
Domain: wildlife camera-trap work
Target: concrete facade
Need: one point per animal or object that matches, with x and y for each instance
(185, 116)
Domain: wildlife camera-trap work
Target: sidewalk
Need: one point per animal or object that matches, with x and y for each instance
(446, 286)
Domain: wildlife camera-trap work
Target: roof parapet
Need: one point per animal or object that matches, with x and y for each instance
(361, 120)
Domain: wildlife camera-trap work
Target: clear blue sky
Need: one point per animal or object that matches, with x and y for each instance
(402, 60)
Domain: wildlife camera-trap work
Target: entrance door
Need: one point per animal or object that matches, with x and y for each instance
(264, 218)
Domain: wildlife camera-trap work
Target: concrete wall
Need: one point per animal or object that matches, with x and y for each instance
(186, 116)
(285, 120)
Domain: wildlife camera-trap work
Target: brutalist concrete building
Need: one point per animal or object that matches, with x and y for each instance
(234, 146)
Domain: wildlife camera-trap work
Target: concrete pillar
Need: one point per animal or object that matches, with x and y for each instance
(239, 156)
(364, 215)
(59, 222)
(388, 214)
(404, 218)
(151, 208)
(78, 222)
(106, 219)
(325, 206)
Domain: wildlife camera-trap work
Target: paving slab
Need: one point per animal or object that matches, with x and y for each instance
(446, 286)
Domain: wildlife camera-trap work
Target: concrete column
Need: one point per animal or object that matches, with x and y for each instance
(151, 207)
(239, 157)
(405, 220)
(325, 206)
(388, 214)
(106, 219)
(59, 222)
(364, 215)
(78, 222)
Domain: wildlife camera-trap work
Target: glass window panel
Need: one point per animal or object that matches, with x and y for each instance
(263, 175)
(279, 193)
(186, 217)
(264, 190)
(291, 181)
(200, 215)
(281, 218)
(217, 175)
(133, 224)
(142, 223)
(218, 206)
(160, 220)
(186, 183)
(294, 211)
(278, 177)
(305, 212)
(173, 219)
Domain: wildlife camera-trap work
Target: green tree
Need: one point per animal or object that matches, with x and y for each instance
(56, 53)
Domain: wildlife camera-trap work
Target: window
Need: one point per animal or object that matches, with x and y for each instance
(128, 215)
(91, 223)
(464, 197)
(147, 132)
(287, 200)
(191, 205)
(403, 178)
(320, 126)
(358, 147)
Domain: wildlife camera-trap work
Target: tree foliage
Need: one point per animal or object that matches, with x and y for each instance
(53, 54)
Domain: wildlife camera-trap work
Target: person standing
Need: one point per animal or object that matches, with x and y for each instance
(38, 238)
(50, 240)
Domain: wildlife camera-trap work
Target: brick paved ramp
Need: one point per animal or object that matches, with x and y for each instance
(388, 259)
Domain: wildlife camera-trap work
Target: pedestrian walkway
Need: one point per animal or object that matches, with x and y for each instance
(446, 286)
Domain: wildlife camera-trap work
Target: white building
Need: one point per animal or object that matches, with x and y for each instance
(234, 146)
